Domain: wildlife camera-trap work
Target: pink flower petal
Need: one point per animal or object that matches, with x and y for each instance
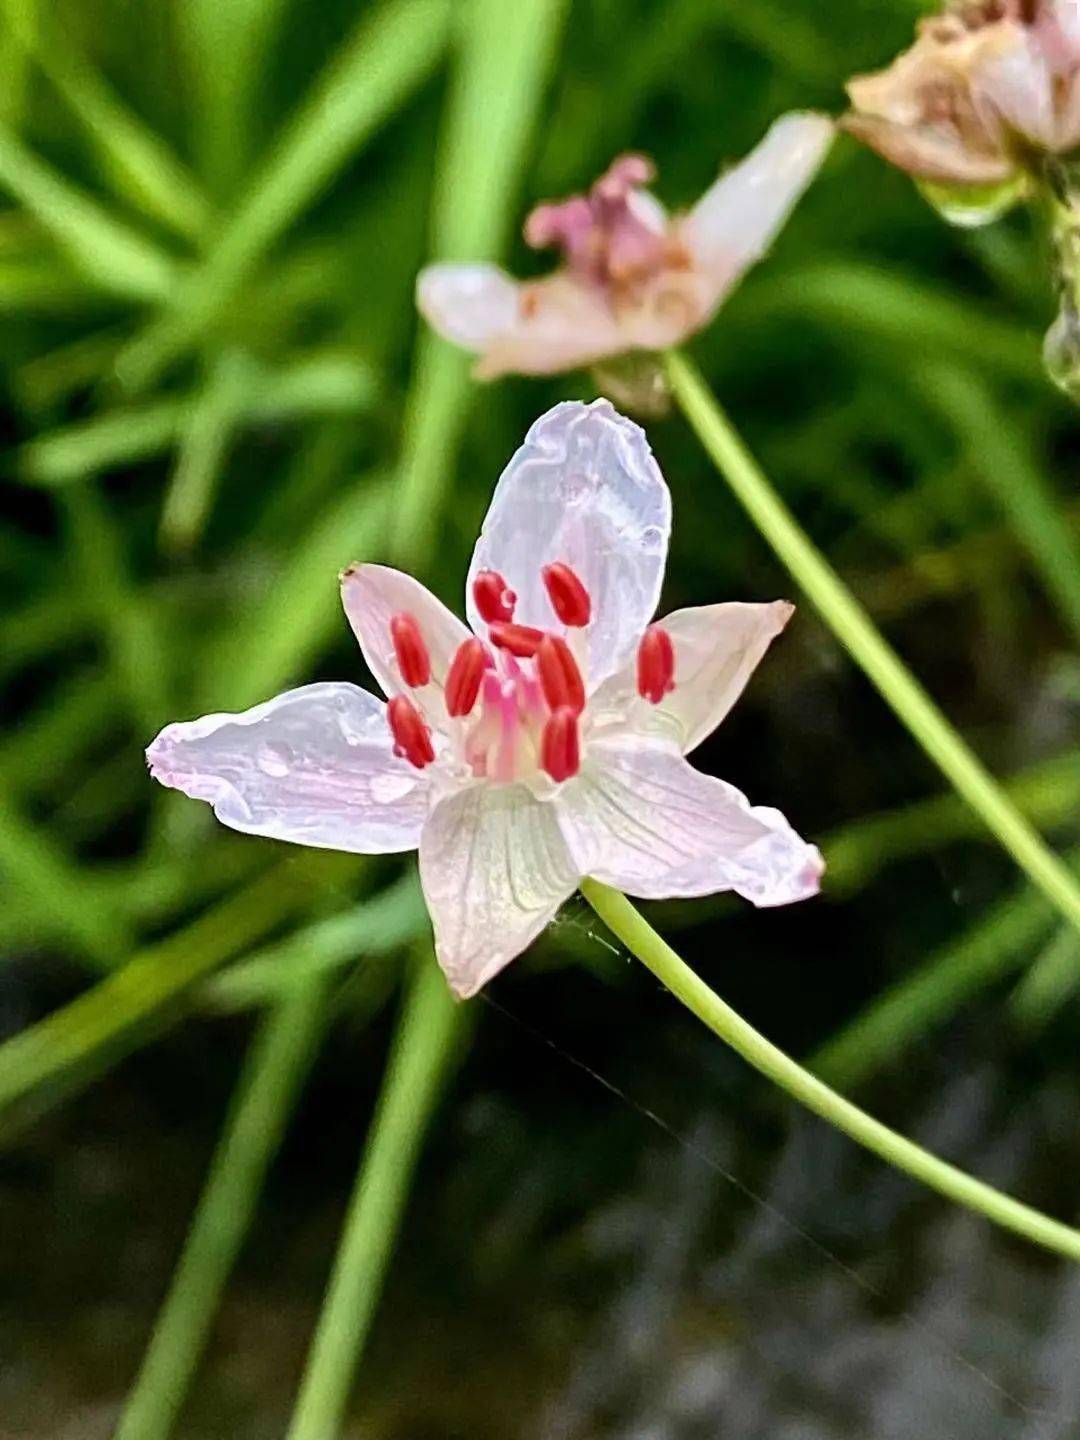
(538, 327)
(737, 218)
(372, 595)
(314, 766)
(640, 818)
(717, 649)
(495, 869)
(585, 490)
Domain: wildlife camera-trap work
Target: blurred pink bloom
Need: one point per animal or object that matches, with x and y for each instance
(988, 86)
(632, 278)
(543, 745)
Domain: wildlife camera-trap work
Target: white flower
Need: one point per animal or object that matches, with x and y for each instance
(988, 87)
(545, 744)
(632, 279)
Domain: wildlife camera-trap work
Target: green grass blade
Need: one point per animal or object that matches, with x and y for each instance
(57, 890)
(1049, 983)
(997, 945)
(211, 422)
(1048, 794)
(504, 58)
(128, 621)
(375, 927)
(426, 1044)
(274, 1073)
(140, 168)
(112, 254)
(1003, 462)
(392, 52)
(75, 1043)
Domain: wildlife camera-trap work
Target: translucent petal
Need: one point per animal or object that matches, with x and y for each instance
(583, 489)
(734, 222)
(469, 304)
(314, 766)
(717, 649)
(372, 595)
(640, 818)
(495, 869)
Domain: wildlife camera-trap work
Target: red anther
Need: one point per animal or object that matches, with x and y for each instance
(568, 596)
(560, 678)
(464, 677)
(655, 665)
(493, 597)
(560, 749)
(521, 640)
(412, 738)
(413, 659)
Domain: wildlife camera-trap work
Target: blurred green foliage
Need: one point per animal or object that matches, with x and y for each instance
(216, 393)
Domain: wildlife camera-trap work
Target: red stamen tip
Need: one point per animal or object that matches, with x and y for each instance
(412, 738)
(464, 677)
(560, 678)
(521, 640)
(560, 747)
(413, 659)
(655, 665)
(568, 596)
(493, 597)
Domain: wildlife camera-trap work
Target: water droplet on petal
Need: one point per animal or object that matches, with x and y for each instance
(389, 789)
(275, 759)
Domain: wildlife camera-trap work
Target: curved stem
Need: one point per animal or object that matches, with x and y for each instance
(624, 921)
(864, 643)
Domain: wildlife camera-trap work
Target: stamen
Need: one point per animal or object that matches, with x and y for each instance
(464, 677)
(493, 597)
(412, 738)
(413, 659)
(568, 596)
(520, 640)
(655, 665)
(560, 749)
(560, 677)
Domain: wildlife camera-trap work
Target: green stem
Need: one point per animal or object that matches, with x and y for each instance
(858, 634)
(425, 1046)
(641, 940)
(274, 1074)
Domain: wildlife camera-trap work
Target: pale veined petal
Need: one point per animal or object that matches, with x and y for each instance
(495, 868)
(717, 649)
(469, 304)
(372, 595)
(641, 818)
(314, 766)
(735, 221)
(585, 490)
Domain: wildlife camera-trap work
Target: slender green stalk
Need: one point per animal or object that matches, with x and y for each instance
(426, 1043)
(273, 1076)
(641, 940)
(858, 634)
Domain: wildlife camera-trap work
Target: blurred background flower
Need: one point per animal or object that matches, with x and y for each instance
(216, 393)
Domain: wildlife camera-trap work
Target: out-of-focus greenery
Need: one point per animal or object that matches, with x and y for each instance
(216, 394)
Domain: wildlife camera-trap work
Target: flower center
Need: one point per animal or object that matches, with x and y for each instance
(515, 707)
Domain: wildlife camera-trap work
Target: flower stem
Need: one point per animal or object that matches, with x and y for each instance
(641, 940)
(426, 1045)
(864, 643)
(273, 1077)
